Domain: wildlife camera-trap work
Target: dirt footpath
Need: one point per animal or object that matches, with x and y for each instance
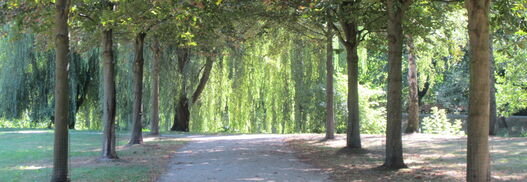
(239, 158)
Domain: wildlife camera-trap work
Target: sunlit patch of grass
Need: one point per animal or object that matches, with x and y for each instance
(27, 156)
(429, 157)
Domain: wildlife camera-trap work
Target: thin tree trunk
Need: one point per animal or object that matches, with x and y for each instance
(330, 116)
(413, 108)
(204, 78)
(137, 136)
(478, 158)
(493, 116)
(155, 88)
(394, 146)
(60, 154)
(108, 117)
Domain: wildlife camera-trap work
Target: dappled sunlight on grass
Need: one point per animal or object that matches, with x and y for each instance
(429, 157)
(27, 156)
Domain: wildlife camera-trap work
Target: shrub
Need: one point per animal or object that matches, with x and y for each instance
(438, 123)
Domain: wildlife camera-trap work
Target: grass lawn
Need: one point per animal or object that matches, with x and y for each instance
(27, 156)
(429, 157)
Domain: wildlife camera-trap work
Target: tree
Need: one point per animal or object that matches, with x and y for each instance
(478, 158)
(137, 135)
(413, 108)
(330, 112)
(109, 106)
(60, 155)
(352, 31)
(394, 148)
(155, 88)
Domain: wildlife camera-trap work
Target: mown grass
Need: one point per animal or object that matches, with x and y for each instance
(26, 155)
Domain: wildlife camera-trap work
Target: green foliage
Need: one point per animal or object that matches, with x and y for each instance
(438, 123)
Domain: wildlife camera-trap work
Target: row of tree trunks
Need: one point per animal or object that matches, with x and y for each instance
(478, 158)
(137, 136)
(330, 112)
(60, 154)
(394, 150)
(109, 100)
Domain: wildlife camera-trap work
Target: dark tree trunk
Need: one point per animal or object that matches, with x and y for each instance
(182, 118)
(204, 78)
(330, 113)
(422, 93)
(155, 89)
(108, 107)
(493, 116)
(182, 114)
(60, 154)
(394, 146)
(478, 158)
(413, 105)
(137, 136)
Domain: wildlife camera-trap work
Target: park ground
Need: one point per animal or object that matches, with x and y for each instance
(429, 158)
(27, 156)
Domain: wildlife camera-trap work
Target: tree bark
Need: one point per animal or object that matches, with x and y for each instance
(182, 112)
(155, 89)
(394, 146)
(493, 116)
(137, 136)
(109, 102)
(478, 158)
(60, 154)
(330, 112)
(413, 106)
(182, 118)
(351, 39)
(204, 78)
(353, 129)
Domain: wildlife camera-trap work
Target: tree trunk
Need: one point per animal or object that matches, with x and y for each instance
(60, 154)
(155, 89)
(137, 136)
(108, 107)
(353, 129)
(204, 78)
(182, 118)
(330, 113)
(493, 116)
(478, 158)
(394, 146)
(351, 42)
(413, 106)
(182, 112)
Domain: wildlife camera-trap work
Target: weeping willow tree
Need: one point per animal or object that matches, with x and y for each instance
(27, 80)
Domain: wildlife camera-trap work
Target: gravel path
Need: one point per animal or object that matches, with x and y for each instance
(239, 158)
